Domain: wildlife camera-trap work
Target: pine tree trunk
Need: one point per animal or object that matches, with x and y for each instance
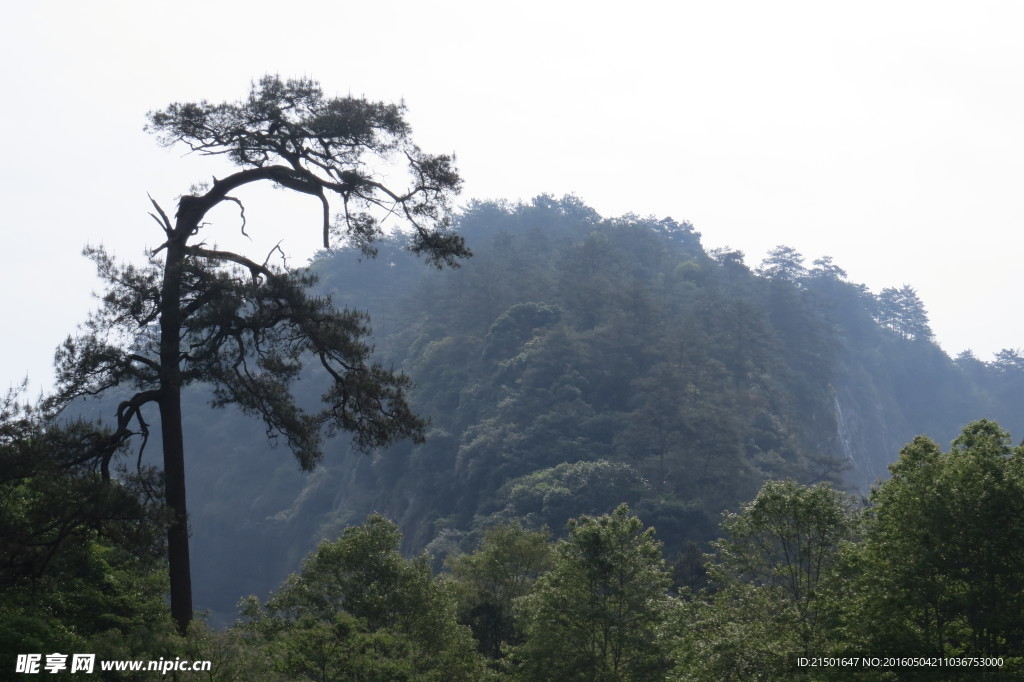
(171, 431)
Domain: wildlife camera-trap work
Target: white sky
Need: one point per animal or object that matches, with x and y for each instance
(886, 134)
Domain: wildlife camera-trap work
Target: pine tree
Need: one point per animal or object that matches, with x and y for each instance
(244, 326)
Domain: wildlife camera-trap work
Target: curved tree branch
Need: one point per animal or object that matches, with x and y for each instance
(254, 268)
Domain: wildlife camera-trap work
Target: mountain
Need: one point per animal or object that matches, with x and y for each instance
(577, 362)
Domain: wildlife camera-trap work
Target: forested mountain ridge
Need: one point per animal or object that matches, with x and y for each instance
(575, 363)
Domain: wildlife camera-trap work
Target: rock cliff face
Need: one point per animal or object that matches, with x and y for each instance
(865, 438)
(883, 397)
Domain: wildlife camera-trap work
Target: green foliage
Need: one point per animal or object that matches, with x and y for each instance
(597, 614)
(902, 312)
(626, 348)
(80, 565)
(549, 498)
(489, 580)
(359, 610)
(516, 326)
(248, 334)
(94, 599)
(783, 263)
(778, 584)
(944, 551)
(572, 339)
(49, 507)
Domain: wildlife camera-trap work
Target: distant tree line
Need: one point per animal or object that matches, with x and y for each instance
(900, 310)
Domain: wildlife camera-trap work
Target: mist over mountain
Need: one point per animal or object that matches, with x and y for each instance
(577, 362)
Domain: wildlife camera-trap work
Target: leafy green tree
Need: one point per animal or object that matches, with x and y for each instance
(944, 549)
(244, 326)
(778, 583)
(359, 610)
(489, 580)
(80, 557)
(597, 614)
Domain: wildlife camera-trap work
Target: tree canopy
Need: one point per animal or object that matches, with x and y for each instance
(597, 613)
(777, 586)
(358, 610)
(290, 133)
(945, 548)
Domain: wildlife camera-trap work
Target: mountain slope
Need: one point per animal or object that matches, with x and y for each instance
(574, 363)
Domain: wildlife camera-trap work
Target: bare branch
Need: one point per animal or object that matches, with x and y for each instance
(253, 267)
(152, 364)
(241, 209)
(327, 220)
(277, 247)
(163, 221)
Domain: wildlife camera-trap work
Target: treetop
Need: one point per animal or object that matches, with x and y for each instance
(289, 132)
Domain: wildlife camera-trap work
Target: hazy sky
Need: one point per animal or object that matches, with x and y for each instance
(888, 135)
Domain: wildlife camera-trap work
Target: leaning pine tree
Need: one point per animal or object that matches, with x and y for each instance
(242, 326)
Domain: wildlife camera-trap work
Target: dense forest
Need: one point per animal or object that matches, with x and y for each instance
(576, 363)
(643, 461)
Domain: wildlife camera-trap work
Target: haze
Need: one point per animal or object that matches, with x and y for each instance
(885, 135)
